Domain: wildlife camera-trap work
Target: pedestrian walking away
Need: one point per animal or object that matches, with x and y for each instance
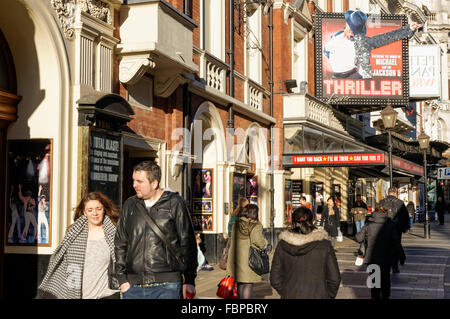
(383, 246)
(440, 208)
(155, 244)
(247, 231)
(82, 266)
(411, 208)
(398, 213)
(304, 264)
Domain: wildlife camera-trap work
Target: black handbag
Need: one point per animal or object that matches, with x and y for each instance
(258, 260)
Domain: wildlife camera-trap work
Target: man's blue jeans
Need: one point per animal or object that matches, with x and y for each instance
(359, 224)
(171, 290)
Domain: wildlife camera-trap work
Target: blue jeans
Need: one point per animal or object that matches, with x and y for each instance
(171, 290)
(359, 224)
(411, 221)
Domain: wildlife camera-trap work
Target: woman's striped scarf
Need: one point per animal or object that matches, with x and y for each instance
(64, 275)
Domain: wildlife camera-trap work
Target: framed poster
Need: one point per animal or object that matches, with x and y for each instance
(288, 208)
(319, 193)
(366, 66)
(297, 191)
(252, 189)
(105, 164)
(28, 217)
(202, 199)
(238, 188)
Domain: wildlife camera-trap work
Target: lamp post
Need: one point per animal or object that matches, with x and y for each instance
(424, 142)
(389, 117)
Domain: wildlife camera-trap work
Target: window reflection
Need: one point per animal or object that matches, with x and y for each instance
(293, 139)
(332, 144)
(313, 142)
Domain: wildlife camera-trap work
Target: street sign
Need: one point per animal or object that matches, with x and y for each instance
(444, 173)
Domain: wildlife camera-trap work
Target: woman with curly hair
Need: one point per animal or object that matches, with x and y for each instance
(82, 266)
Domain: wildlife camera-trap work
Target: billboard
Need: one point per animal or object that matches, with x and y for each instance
(425, 71)
(366, 68)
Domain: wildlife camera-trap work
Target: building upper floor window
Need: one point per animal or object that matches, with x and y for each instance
(214, 27)
(300, 56)
(187, 8)
(254, 46)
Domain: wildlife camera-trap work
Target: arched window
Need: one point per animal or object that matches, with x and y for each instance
(7, 70)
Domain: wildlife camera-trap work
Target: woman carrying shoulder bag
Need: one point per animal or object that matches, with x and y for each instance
(247, 231)
(82, 266)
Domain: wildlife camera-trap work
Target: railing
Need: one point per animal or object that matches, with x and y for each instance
(213, 71)
(304, 107)
(254, 95)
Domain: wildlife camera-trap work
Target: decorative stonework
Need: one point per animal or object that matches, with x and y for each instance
(65, 11)
(97, 9)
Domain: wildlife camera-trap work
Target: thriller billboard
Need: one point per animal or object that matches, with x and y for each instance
(362, 59)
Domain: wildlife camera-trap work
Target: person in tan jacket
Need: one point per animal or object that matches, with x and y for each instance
(247, 231)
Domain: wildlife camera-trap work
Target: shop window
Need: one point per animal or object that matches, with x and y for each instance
(293, 139)
(353, 148)
(312, 141)
(332, 144)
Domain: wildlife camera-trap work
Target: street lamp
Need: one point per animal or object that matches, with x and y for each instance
(389, 117)
(424, 143)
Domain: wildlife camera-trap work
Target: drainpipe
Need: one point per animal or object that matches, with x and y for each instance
(230, 123)
(185, 189)
(272, 199)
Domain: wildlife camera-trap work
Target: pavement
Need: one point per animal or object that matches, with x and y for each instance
(425, 275)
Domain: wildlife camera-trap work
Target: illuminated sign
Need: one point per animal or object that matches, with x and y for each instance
(338, 159)
(366, 68)
(425, 70)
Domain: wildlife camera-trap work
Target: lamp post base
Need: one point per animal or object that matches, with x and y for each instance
(427, 230)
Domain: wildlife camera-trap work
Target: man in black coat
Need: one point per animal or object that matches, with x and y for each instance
(155, 261)
(398, 213)
(381, 236)
(440, 208)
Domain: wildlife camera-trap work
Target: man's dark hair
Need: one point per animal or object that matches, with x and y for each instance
(392, 190)
(303, 197)
(152, 170)
(250, 211)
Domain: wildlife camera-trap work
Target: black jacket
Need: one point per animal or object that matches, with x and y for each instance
(381, 237)
(305, 266)
(397, 212)
(141, 256)
(440, 207)
(330, 222)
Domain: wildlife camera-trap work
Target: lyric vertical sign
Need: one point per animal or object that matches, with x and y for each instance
(105, 154)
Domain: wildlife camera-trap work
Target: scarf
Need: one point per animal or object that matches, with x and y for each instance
(64, 276)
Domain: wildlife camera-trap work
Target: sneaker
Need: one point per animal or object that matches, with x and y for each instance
(207, 268)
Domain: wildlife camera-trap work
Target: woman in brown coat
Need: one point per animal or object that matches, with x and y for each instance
(246, 231)
(304, 265)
